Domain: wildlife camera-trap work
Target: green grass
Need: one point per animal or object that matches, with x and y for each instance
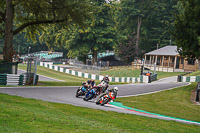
(70, 80)
(28, 115)
(168, 74)
(112, 72)
(174, 103)
(122, 72)
(197, 73)
(128, 72)
(55, 74)
(55, 83)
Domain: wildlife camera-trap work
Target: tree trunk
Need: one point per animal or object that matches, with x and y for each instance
(94, 57)
(8, 36)
(138, 33)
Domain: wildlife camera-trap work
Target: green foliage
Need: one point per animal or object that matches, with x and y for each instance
(21, 44)
(157, 25)
(32, 16)
(126, 50)
(157, 18)
(35, 15)
(187, 25)
(99, 35)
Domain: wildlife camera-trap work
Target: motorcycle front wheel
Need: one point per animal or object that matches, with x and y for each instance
(105, 101)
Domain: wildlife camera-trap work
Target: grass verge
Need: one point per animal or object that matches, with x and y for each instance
(129, 72)
(54, 83)
(114, 72)
(168, 74)
(55, 74)
(197, 73)
(174, 103)
(28, 115)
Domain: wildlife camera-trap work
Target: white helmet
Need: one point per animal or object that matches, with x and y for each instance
(115, 88)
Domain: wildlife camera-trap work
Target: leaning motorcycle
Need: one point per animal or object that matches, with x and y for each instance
(95, 91)
(82, 90)
(105, 98)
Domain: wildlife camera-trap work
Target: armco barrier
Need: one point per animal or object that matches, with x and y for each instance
(11, 79)
(141, 79)
(188, 79)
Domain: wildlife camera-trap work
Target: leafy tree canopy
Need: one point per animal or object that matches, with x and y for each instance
(151, 20)
(187, 28)
(100, 35)
(32, 16)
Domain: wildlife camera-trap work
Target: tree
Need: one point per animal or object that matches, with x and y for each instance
(151, 20)
(158, 24)
(22, 44)
(33, 15)
(132, 15)
(127, 49)
(187, 28)
(100, 35)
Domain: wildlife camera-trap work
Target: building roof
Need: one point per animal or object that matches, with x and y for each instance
(167, 50)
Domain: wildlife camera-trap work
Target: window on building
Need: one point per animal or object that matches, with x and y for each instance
(191, 61)
(182, 60)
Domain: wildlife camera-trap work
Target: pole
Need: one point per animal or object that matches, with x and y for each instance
(34, 78)
(155, 65)
(142, 67)
(29, 50)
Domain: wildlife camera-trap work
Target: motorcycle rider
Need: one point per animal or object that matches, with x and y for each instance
(106, 79)
(95, 90)
(91, 83)
(112, 93)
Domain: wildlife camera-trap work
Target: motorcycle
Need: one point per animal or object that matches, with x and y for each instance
(105, 98)
(82, 90)
(95, 91)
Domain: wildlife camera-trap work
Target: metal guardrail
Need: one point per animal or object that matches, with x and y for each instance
(197, 99)
(88, 68)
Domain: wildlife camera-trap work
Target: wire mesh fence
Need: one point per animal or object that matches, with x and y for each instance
(88, 68)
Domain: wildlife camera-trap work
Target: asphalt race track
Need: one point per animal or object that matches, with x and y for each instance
(67, 95)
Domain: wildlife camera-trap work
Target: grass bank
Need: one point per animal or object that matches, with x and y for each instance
(174, 103)
(55, 83)
(28, 115)
(123, 71)
(55, 74)
(197, 73)
(70, 80)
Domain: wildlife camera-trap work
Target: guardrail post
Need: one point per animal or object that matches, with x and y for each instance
(198, 91)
